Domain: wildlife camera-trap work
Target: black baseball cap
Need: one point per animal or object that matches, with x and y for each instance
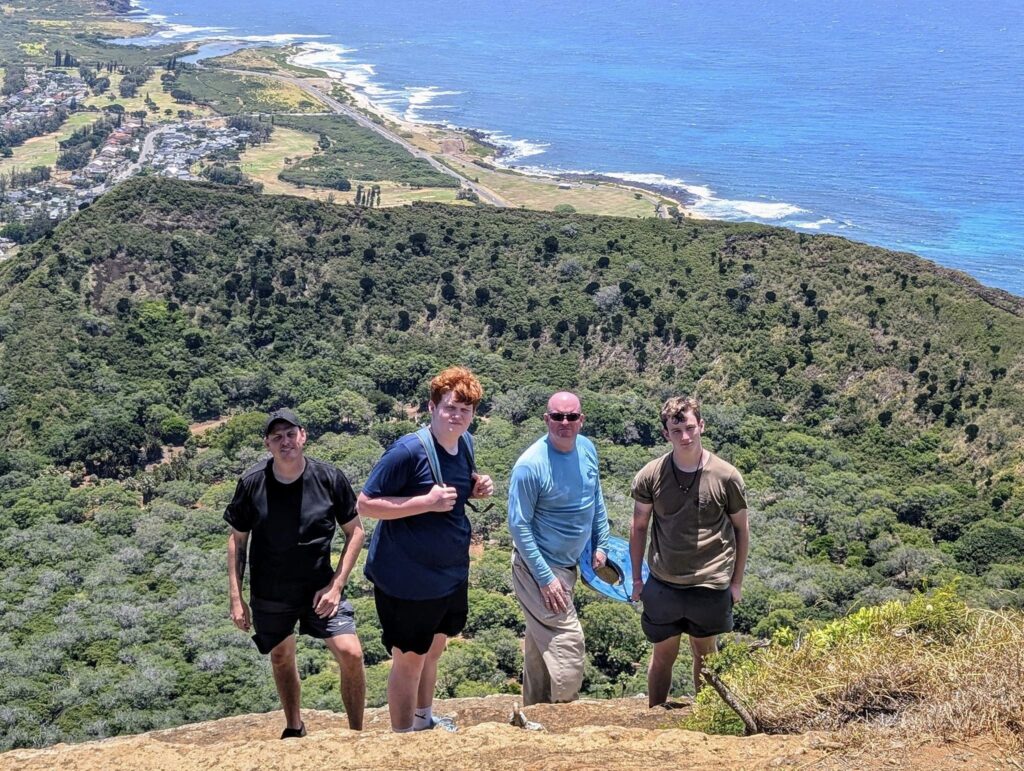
(280, 416)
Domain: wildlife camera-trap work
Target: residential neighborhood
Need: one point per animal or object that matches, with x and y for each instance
(47, 92)
(132, 147)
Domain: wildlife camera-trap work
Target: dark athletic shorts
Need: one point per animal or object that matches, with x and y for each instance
(274, 621)
(694, 610)
(410, 625)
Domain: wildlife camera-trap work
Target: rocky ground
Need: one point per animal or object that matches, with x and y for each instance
(617, 734)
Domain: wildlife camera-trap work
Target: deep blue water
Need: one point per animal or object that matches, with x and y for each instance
(895, 122)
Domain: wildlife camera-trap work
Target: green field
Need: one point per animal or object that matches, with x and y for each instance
(154, 88)
(288, 147)
(265, 60)
(230, 94)
(357, 153)
(42, 151)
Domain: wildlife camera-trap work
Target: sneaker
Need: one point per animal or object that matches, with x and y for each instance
(294, 733)
(444, 723)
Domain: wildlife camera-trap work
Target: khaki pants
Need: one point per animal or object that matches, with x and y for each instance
(554, 654)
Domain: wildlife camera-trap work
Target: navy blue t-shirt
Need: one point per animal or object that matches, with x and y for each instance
(425, 556)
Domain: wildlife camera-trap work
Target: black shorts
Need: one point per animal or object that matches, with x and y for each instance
(410, 625)
(275, 621)
(670, 610)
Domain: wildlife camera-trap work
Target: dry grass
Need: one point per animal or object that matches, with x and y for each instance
(930, 666)
(544, 194)
(978, 687)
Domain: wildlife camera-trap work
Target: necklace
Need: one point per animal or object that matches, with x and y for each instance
(696, 473)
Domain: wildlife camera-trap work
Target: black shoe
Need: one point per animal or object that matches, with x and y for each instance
(294, 733)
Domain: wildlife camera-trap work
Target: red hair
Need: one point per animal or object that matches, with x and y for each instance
(460, 382)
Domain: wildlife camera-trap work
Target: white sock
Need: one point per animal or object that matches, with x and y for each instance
(402, 730)
(422, 718)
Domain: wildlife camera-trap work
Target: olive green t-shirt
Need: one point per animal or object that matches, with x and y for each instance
(693, 542)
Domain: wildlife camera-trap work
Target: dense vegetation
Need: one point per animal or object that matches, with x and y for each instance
(349, 151)
(871, 401)
(230, 93)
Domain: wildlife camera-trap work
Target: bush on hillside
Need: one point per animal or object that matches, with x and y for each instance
(927, 665)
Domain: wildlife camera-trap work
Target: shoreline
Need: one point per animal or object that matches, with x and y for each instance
(662, 196)
(693, 199)
(671, 195)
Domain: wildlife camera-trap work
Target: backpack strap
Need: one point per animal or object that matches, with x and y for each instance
(427, 440)
(468, 439)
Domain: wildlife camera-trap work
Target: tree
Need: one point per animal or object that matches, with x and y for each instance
(613, 637)
(174, 430)
(204, 398)
(488, 610)
(988, 542)
(108, 444)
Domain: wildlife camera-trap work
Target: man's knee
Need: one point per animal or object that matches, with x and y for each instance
(407, 662)
(283, 654)
(346, 646)
(703, 646)
(665, 651)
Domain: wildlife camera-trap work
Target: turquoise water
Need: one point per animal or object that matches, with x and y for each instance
(898, 123)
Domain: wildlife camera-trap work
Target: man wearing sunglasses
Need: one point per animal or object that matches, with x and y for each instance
(419, 553)
(555, 507)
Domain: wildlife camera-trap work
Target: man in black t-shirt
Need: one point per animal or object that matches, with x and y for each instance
(288, 506)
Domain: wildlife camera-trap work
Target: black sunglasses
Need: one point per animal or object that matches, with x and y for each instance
(558, 417)
(478, 510)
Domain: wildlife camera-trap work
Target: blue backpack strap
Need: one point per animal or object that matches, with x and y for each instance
(427, 440)
(472, 454)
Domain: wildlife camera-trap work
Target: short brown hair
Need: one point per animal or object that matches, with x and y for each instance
(678, 406)
(461, 382)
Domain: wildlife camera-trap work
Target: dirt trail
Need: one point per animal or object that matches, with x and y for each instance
(617, 734)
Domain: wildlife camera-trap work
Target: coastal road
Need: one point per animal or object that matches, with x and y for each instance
(343, 109)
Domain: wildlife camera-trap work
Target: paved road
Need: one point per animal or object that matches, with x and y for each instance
(340, 107)
(148, 148)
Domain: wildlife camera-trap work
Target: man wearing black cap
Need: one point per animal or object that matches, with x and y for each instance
(289, 505)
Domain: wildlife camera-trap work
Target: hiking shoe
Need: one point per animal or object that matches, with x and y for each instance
(444, 723)
(294, 733)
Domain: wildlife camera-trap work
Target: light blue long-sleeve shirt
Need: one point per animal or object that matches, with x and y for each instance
(555, 506)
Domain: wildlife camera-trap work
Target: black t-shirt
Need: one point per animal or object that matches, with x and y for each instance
(291, 528)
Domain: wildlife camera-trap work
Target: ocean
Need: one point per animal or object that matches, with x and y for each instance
(893, 122)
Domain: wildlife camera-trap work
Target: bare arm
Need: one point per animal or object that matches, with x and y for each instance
(238, 546)
(394, 507)
(741, 525)
(326, 601)
(637, 543)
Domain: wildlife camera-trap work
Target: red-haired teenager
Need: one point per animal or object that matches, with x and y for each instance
(419, 553)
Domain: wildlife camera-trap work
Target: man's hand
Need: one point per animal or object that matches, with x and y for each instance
(736, 590)
(638, 587)
(326, 601)
(556, 596)
(600, 559)
(240, 616)
(442, 498)
(483, 487)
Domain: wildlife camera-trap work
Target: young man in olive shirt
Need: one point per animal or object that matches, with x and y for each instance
(289, 505)
(698, 549)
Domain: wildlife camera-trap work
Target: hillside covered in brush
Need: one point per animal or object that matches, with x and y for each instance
(871, 400)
